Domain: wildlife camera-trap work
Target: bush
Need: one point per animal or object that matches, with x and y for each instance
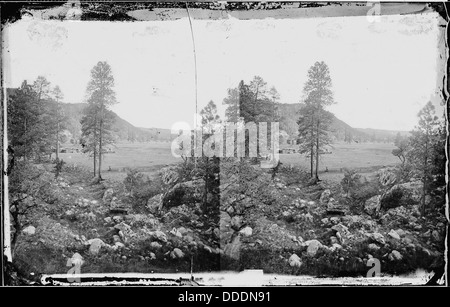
(293, 175)
(392, 199)
(141, 188)
(351, 182)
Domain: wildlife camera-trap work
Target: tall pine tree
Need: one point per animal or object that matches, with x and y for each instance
(97, 120)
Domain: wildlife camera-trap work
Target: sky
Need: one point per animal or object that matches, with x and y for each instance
(382, 72)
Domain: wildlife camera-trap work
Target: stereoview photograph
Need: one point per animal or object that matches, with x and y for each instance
(224, 143)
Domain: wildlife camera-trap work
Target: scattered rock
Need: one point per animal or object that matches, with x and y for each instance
(108, 220)
(313, 247)
(400, 232)
(176, 233)
(152, 256)
(159, 235)
(246, 231)
(395, 256)
(377, 237)
(393, 234)
(295, 261)
(342, 229)
(373, 247)
(335, 247)
(333, 207)
(176, 254)
(29, 230)
(155, 245)
(95, 246)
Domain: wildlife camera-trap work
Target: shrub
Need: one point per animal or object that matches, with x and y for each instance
(392, 199)
(293, 175)
(351, 182)
(141, 188)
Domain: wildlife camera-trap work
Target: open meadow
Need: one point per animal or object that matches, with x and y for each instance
(150, 157)
(146, 157)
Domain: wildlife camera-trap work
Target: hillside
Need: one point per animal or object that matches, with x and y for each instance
(122, 130)
(340, 130)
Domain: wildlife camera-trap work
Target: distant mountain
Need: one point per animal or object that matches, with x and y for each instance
(339, 130)
(121, 129)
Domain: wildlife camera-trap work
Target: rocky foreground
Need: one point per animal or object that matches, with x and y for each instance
(274, 225)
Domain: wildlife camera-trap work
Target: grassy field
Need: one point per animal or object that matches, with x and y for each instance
(149, 157)
(364, 158)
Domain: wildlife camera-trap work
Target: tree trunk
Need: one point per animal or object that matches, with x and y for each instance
(100, 152)
(312, 159)
(95, 160)
(57, 142)
(317, 151)
(425, 176)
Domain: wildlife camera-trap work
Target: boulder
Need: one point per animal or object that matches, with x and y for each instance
(188, 192)
(246, 231)
(295, 261)
(29, 230)
(95, 245)
(176, 253)
(411, 190)
(372, 205)
(175, 232)
(377, 237)
(155, 245)
(333, 207)
(159, 235)
(313, 247)
(400, 232)
(395, 256)
(335, 247)
(393, 234)
(373, 247)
